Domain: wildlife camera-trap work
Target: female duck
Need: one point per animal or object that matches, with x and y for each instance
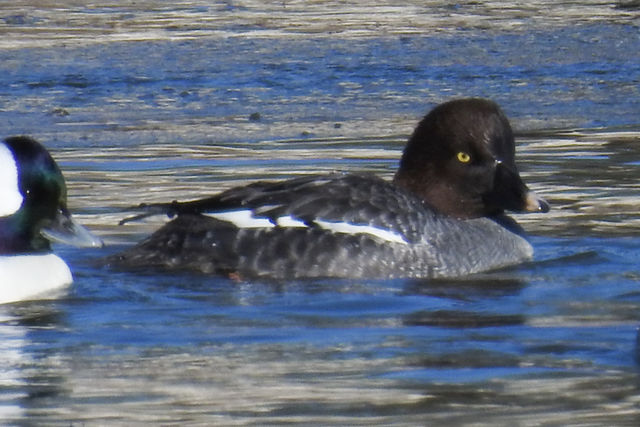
(441, 216)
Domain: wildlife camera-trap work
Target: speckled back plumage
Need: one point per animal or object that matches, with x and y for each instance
(432, 246)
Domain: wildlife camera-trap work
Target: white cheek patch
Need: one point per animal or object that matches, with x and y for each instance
(245, 219)
(10, 197)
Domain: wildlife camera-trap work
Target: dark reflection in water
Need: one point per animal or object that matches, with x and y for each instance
(156, 102)
(479, 286)
(461, 319)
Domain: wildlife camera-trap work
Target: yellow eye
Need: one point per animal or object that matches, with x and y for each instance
(463, 157)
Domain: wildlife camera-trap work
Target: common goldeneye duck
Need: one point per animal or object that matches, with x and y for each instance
(33, 212)
(441, 216)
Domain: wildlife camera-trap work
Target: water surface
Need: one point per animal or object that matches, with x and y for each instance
(156, 102)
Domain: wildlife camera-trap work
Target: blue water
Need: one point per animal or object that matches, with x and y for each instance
(169, 116)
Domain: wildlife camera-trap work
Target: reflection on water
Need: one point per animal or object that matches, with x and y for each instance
(154, 102)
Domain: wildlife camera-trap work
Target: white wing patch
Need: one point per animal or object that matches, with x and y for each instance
(245, 219)
(347, 228)
(242, 219)
(10, 196)
(287, 221)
